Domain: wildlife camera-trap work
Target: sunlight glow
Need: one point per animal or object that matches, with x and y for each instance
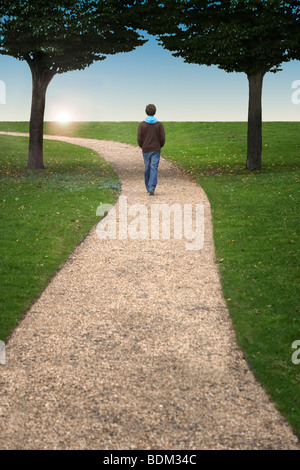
(63, 117)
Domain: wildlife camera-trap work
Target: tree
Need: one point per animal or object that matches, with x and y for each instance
(249, 36)
(54, 37)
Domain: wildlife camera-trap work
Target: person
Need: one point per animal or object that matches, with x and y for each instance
(151, 138)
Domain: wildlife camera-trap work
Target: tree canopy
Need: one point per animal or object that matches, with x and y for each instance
(68, 34)
(236, 35)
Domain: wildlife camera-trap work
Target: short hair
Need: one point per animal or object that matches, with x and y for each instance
(150, 109)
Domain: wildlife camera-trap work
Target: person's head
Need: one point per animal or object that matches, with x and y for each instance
(150, 110)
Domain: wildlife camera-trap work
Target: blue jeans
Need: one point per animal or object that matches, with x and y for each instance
(151, 160)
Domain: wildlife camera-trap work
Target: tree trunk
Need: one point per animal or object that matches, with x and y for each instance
(254, 144)
(40, 82)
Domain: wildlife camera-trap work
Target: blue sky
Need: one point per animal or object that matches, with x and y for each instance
(118, 89)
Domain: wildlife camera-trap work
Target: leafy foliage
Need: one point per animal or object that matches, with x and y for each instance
(66, 35)
(236, 35)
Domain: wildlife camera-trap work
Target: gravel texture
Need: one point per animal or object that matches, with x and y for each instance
(131, 345)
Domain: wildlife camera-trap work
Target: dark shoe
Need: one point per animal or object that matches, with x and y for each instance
(151, 193)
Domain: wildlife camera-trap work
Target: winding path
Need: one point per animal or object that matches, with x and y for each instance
(131, 345)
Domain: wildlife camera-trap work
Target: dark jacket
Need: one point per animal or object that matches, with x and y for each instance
(151, 137)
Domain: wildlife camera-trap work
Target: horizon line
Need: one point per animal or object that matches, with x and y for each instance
(65, 124)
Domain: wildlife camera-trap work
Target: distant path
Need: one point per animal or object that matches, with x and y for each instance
(131, 345)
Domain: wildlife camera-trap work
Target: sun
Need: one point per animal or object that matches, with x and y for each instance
(63, 117)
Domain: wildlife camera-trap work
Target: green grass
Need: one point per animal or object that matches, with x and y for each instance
(44, 215)
(256, 233)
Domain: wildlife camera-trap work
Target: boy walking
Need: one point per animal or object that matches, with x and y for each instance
(151, 138)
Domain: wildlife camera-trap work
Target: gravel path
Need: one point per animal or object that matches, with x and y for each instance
(131, 345)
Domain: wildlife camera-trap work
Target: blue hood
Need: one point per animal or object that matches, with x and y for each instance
(151, 120)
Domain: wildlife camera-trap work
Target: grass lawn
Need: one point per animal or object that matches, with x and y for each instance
(256, 232)
(44, 215)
